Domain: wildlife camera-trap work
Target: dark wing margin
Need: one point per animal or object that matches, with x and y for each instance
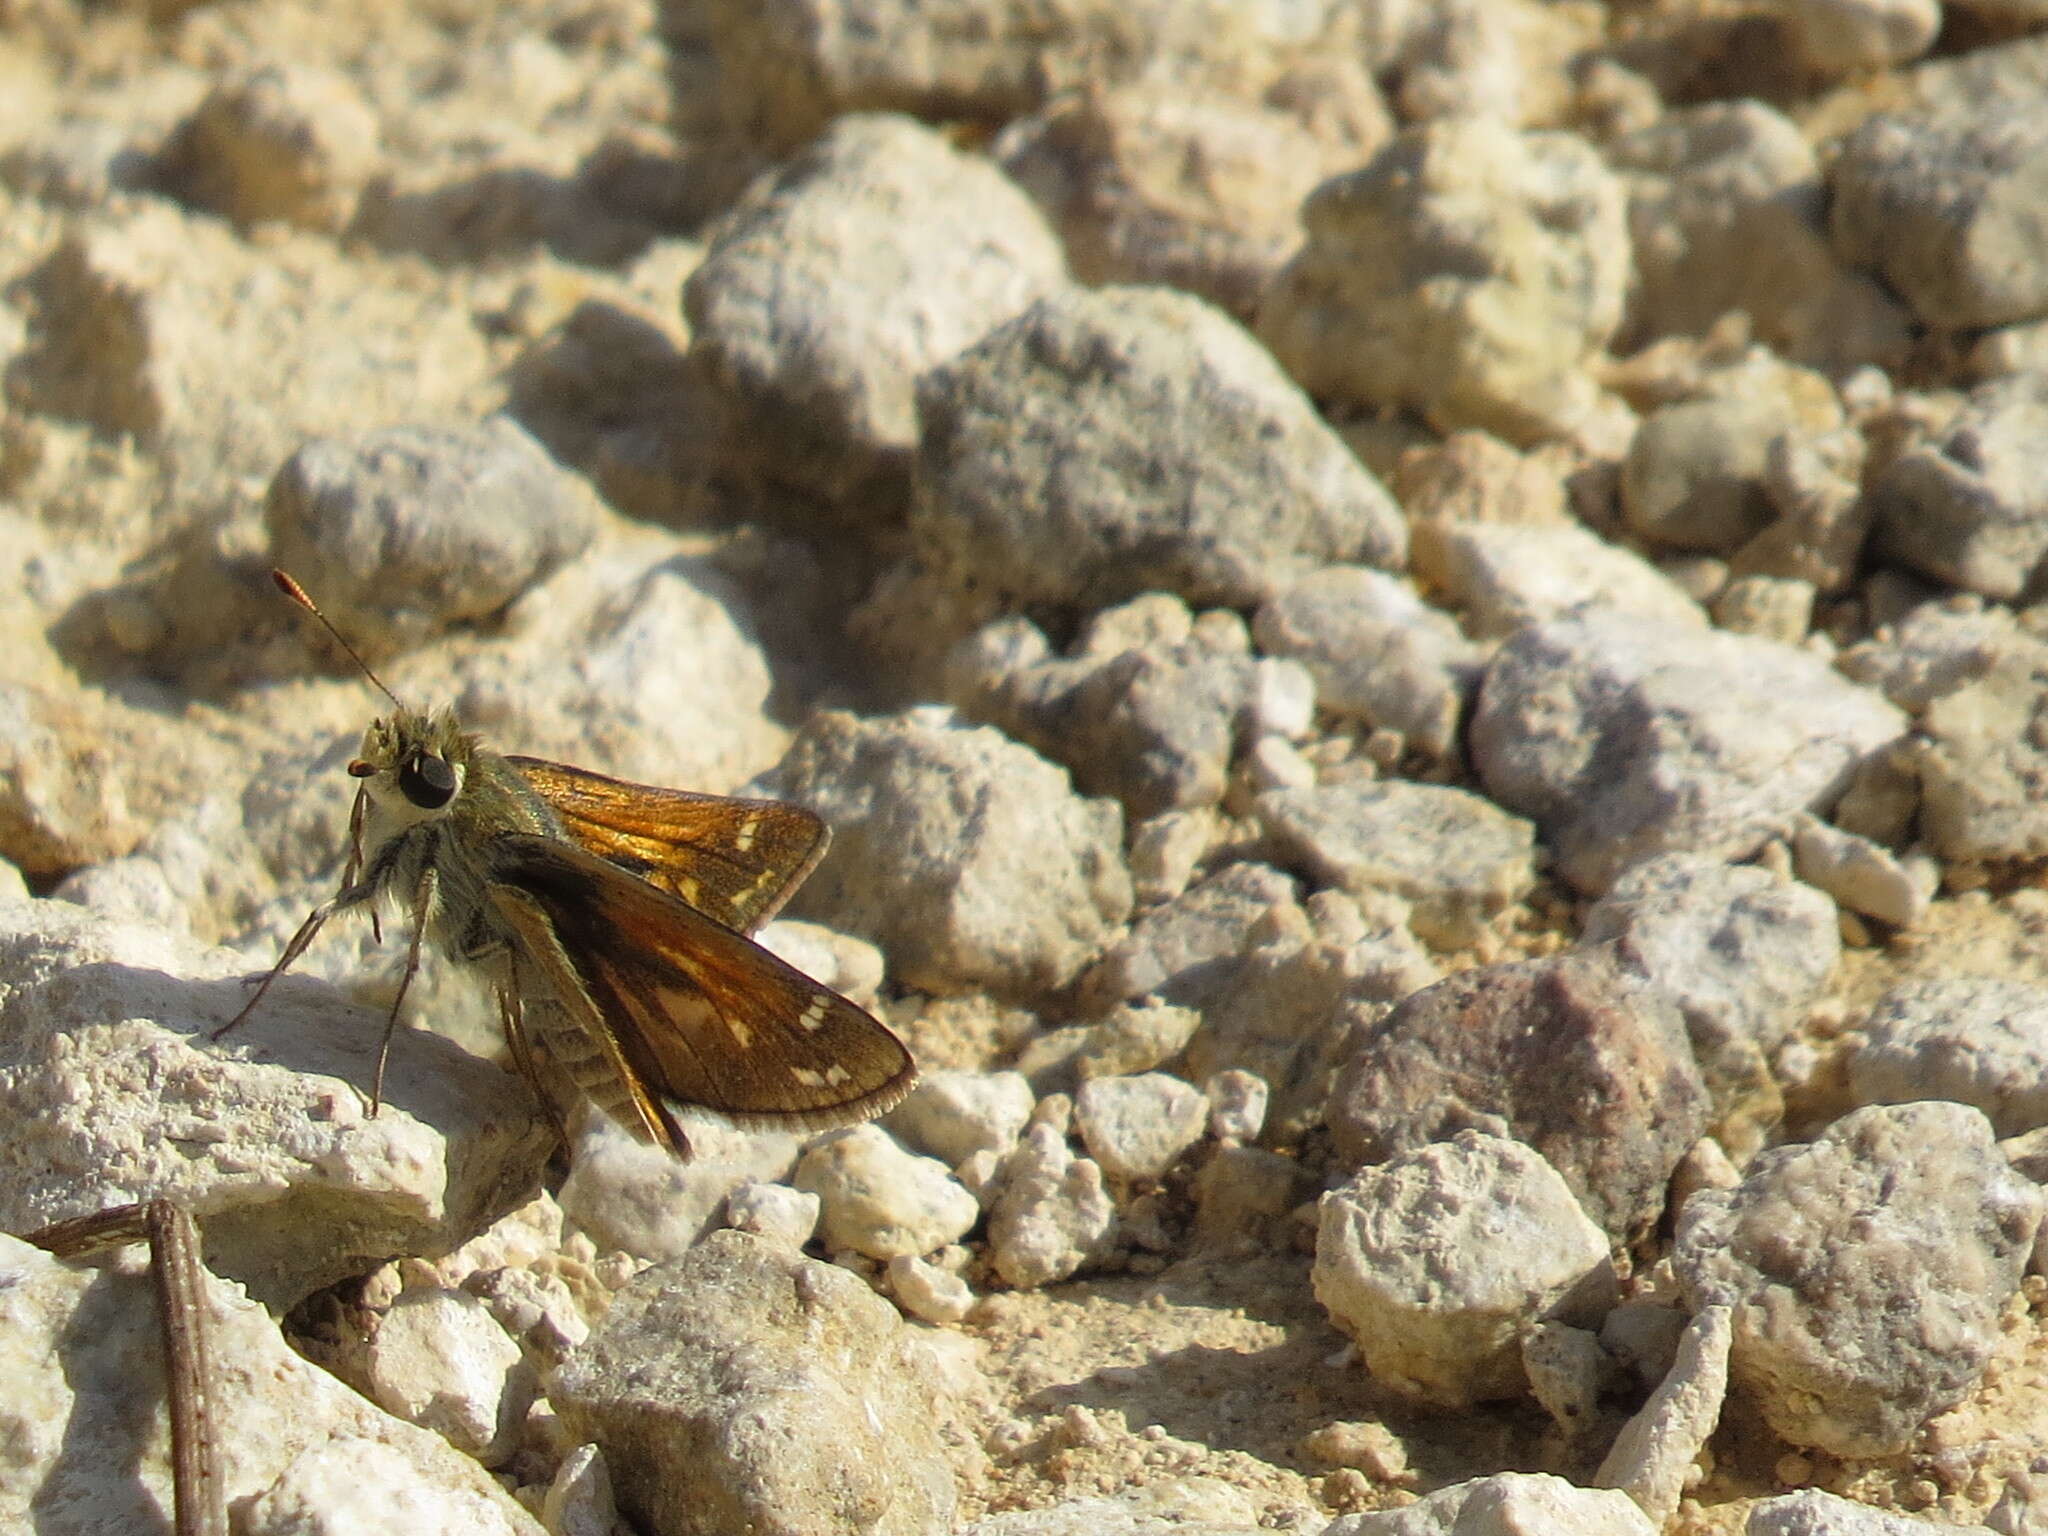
(698, 1012)
(735, 860)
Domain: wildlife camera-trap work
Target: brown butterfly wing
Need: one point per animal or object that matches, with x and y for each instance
(702, 1014)
(539, 961)
(735, 860)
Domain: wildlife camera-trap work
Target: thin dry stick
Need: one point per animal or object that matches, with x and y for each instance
(196, 1488)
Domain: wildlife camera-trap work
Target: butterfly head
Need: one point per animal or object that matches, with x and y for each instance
(413, 765)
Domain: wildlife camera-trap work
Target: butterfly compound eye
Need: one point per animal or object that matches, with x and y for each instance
(427, 781)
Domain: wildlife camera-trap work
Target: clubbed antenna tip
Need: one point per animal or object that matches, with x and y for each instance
(289, 586)
(291, 589)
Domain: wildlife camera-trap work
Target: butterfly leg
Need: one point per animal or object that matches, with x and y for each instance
(512, 1013)
(423, 894)
(358, 813)
(352, 896)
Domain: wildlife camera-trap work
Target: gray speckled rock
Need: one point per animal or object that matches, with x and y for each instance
(1946, 205)
(1188, 950)
(635, 1198)
(1978, 1040)
(1937, 648)
(841, 276)
(880, 1200)
(1167, 852)
(1309, 979)
(1866, 1270)
(1523, 1503)
(1153, 722)
(1438, 1261)
(967, 857)
(587, 670)
(1052, 1213)
(1137, 1127)
(1625, 738)
(1567, 1370)
(953, 1115)
(441, 1361)
(400, 535)
(1165, 182)
(774, 1211)
(1455, 858)
(1981, 765)
(1694, 474)
(1727, 211)
(1378, 652)
(1114, 441)
(745, 1387)
(1970, 509)
(1505, 576)
(1131, 1037)
(1812, 1512)
(1741, 952)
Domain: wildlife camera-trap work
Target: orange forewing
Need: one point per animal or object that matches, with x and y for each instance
(734, 860)
(693, 1010)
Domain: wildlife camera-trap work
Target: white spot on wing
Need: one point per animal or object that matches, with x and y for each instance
(688, 1009)
(812, 1019)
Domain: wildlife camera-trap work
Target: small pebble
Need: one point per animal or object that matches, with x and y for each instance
(1137, 1127)
(1237, 1105)
(787, 1215)
(881, 1201)
(928, 1292)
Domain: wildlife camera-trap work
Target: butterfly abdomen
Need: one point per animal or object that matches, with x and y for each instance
(570, 1049)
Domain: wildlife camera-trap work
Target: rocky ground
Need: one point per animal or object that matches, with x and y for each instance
(1416, 622)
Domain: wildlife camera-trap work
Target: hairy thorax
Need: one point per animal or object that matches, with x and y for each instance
(445, 855)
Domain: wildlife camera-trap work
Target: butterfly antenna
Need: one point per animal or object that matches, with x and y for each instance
(291, 589)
